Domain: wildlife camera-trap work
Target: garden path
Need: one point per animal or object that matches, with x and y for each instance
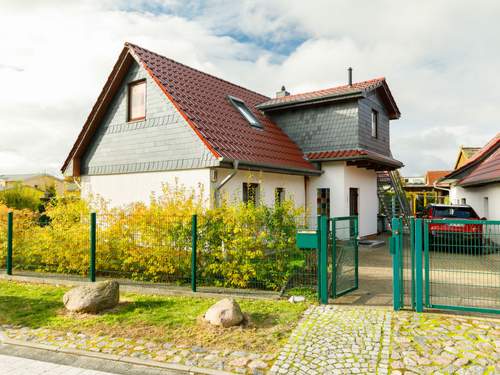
(337, 339)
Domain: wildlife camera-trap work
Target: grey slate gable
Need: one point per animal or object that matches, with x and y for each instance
(163, 141)
(337, 126)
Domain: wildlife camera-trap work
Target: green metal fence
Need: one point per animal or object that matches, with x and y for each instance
(447, 264)
(196, 251)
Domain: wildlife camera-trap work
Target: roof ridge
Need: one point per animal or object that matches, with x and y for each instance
(128, 44)
(378, 79)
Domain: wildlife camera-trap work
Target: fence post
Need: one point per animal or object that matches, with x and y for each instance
(318, 255)
(10, 224)
(323, 254)
(426, 262)
(194, 240)
(418, 266)
(92, 246)
(395, 252)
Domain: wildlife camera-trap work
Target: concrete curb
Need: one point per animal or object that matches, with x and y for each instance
(111, 357)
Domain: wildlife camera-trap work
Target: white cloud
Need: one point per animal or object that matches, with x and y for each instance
(440, 58)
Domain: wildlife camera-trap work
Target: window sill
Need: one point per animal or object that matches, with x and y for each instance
(136, 120)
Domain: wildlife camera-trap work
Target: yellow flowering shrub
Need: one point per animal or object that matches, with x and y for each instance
(239, 245)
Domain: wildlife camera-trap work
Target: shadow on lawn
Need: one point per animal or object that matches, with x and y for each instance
(27, 311)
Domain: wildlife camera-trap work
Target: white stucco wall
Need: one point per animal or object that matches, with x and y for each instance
(120, 189)
(233, 190)
(339, 178)
(474, 197)
(366, 181)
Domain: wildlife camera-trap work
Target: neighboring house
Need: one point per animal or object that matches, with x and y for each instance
(423, 190)
(40, 181)
(158, 121)
(464, 154)
(477, 182)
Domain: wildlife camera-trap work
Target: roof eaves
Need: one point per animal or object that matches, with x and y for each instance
(479, 182)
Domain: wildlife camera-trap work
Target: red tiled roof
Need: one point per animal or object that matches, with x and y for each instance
(352, 155)
(488, 169)
(203, 100)
(433, 176)
(355, 88)
(322, 155)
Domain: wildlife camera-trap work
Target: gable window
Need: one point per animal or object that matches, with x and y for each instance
(137, 100)
(323, 202)
(250, 193)
(245, 112)
(279, 196)
(374, 124)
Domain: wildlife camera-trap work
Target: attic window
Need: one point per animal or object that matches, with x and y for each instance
(245, 112)
(137, 100)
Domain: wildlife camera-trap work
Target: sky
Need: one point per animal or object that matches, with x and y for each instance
(441, 60)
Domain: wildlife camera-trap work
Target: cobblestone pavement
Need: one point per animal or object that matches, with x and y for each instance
(434, 343)
(241, 362)
(352, 340)
(338, 340)
(10, 365)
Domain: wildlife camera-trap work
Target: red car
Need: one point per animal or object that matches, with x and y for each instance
(445, 235)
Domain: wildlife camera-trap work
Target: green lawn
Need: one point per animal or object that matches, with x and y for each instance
(157, 318)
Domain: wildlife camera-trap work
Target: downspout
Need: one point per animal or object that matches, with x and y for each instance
(225, 181)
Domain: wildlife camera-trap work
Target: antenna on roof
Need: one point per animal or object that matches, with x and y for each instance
(349, 76)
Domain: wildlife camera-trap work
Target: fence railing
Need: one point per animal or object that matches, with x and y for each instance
(195, 251)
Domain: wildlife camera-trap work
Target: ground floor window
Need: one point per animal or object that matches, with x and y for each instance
(279, 195)
(250, 193)
(323, 201)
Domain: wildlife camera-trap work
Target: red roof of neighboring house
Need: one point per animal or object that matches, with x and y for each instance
(433, 176)
(487, 171)
(483, 167)
(333, 92)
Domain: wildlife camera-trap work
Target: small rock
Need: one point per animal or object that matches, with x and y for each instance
(92, 298)
(225, 313)
(296, 299)
(257, 364)
(239, 362)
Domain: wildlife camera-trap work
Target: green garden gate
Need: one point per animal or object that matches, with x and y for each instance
(446, 264)
(336, 243)
(344, 252)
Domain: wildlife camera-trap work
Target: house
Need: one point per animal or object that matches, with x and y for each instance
(464, 154)
(159, 121)
(39, 181)
(477, 182)
(423, 190)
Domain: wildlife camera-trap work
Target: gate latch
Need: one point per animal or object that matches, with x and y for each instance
(396, 232)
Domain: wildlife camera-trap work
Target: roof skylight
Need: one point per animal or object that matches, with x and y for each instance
(245, 112)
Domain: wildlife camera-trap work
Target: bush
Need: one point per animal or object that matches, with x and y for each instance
(239, 245)
(21, 197)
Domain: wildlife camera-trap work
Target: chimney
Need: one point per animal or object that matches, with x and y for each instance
(349, 76)
(282, 93)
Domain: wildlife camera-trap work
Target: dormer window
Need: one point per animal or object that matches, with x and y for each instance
(137, 100)
(245, 112)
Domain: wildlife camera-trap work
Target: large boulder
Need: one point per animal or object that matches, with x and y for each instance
(93, 298)
(225, 313)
